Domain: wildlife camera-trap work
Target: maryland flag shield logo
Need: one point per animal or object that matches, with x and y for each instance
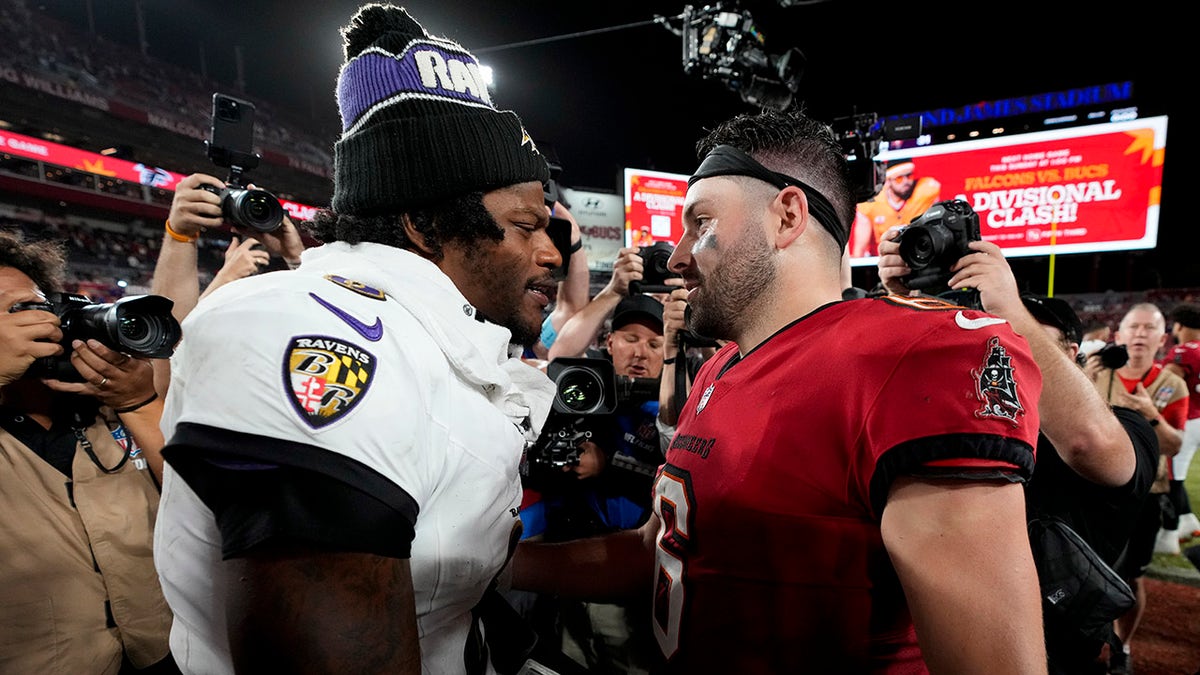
(325, 378)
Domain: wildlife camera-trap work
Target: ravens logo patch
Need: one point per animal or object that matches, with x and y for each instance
(326, 377)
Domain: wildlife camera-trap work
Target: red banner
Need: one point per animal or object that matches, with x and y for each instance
(653, 207)
(1071, 190)
(90, 162)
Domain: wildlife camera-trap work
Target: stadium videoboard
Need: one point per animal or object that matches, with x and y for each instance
(1080, 189)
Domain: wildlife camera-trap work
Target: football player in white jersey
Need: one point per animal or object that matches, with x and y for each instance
(342, 467)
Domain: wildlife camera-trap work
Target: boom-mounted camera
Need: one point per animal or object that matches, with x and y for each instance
(722, 42)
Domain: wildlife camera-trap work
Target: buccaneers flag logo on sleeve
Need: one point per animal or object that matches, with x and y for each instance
(995, 385)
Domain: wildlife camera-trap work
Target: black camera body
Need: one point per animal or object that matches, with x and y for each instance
(655, 269)
(139, 325)
(586, 390)
(249, 208)
(1113, 356)
(934, 241)
(230, 146)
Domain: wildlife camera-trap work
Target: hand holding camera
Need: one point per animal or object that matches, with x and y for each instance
(934, 241)
(25, 337)
(626, 269)
(140, 325)
(195, 207)
(655, 269)
(117, 380)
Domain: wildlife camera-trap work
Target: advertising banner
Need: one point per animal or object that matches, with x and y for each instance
(599, 218)
(1071, 190)
(90, 162)
(64, 155)
(653, 207)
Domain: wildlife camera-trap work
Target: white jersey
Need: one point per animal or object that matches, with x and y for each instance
(369, 352)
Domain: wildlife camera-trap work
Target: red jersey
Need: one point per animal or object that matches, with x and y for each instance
(1168, 394)
(770, 558)
(1187, 357)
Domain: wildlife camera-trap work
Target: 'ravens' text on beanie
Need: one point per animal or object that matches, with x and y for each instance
(418, 124)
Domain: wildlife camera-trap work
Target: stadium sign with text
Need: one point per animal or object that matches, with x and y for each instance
(653, 207)
(29, 147)
(1078, 189)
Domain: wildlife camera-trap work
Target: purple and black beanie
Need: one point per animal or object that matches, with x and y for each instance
(418, 124)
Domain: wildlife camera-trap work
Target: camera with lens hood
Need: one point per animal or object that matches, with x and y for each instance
(230, 147)
(138, 325)
(934, 241)
(587, 393)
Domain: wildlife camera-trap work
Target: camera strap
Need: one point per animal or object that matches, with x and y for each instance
(91, 452)
(681, 382)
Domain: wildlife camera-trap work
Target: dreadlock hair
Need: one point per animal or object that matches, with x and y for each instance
(794, 144)
(43, 261)
(463, 219)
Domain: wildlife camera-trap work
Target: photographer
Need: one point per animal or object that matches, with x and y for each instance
(1094, 464)
(195, 208)
(1160, 397)
(78, 490)
(607, 489)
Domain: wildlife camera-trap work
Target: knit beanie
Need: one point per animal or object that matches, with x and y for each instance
(418, 123)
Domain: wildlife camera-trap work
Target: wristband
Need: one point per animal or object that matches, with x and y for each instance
(291, 265)
(179, 237)
(576, 246)
(143, 404)
(667, 362)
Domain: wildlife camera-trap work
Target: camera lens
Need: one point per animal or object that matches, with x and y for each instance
(580, 391)
(921, 246)
(133, 328)
(658, 262)
(255, 209)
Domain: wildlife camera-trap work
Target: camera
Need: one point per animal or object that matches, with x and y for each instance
(587, 393)
(723, 42)
(140, 325)
(655, 269)
(253, 209)
(230, 147)
(1112, 356)
(935, 240)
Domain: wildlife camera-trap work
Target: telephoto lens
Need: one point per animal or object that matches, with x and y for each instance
(138, 325)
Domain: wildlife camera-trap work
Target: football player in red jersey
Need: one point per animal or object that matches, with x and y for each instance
(843, 493)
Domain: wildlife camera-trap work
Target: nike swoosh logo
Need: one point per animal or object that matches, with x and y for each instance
(976, 324)
(373, 332)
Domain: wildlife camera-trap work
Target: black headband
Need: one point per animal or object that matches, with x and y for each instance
(726, 160)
